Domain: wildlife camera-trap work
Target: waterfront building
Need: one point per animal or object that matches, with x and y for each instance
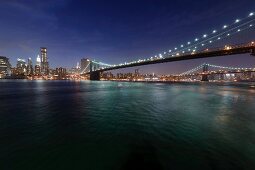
(44, 61)
(60, 73)
(37, 70)
(21, 66)
(5, 67)
(30, 70)
(38, 60)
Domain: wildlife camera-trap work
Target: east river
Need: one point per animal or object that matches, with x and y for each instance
(120, 125)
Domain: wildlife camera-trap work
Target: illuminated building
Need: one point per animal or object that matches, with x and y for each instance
(60, 73)
(44, 61)
(38, 61)
(21, 66)
(30, 70)
(37, 70)
(5, 67)
(85, 65)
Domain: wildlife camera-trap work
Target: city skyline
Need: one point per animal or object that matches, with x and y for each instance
(98, 33)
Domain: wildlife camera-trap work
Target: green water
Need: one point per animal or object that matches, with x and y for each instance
(116, 125)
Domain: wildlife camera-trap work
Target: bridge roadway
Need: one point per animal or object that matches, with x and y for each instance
(233, 50)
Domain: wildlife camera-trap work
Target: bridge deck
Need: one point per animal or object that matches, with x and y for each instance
(241, 49)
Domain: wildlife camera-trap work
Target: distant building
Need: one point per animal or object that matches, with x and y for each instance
(21, 66)
(44, 61)
(60, 73)
(30, 70)
(5, 67)
(85, 65)
(37, 70)
(38, 60)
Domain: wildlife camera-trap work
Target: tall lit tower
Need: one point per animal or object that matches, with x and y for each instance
(29, 67)
(37, 70)
(38, 61)
(44, 61)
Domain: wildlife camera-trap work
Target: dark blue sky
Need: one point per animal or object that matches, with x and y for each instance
(114, 31)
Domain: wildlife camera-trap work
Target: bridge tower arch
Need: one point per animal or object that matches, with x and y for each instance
(94, 75)
(205, 73)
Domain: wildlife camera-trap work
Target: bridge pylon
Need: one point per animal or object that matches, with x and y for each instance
(253, 52)
(205, 73)
(94, 75)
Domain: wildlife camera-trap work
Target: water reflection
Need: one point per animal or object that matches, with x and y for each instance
(115, 125)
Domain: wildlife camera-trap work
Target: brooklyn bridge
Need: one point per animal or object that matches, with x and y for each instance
(201, 47)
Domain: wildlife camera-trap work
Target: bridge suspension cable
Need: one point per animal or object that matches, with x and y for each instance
(192, 70)
(83, 71)
(216, 35)
(227, 30)
(213, 66)
(198, 44)
(101, 63)
(229, 68)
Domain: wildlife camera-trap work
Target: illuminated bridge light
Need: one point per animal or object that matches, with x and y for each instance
(204, 40)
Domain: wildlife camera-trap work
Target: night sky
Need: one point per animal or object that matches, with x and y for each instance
(114, 31)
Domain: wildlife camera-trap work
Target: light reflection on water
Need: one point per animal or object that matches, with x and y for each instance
(112, 125)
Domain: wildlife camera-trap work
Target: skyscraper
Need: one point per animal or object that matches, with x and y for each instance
(5, 67)
(30, 69)
(37, 70)
(85, 65)
(38, 61)
(44, 61)
(21, 66)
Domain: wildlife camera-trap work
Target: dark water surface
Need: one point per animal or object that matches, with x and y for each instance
(115, 125)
